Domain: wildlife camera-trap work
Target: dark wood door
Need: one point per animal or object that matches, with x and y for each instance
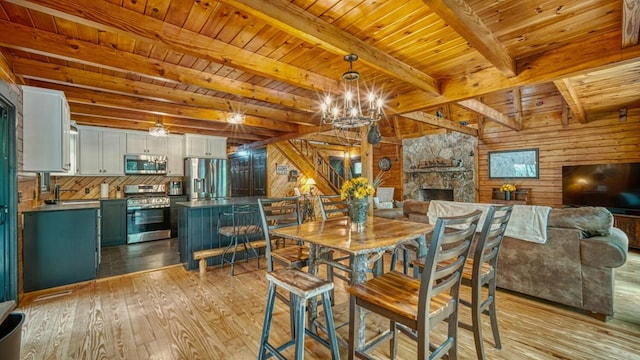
(239, 168)
(249, 174)
(259, 173)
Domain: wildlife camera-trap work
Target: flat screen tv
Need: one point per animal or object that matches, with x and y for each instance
(614, 186)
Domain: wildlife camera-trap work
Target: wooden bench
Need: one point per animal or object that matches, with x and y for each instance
(203, 255)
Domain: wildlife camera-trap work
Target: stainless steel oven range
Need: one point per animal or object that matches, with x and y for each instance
(147, 213)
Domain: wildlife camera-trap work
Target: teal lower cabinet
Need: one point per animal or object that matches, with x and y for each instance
(113, 223)
(59, 247)
(173, 214)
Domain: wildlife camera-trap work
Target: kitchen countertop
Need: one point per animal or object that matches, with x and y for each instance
(67, 205)
(219, 202)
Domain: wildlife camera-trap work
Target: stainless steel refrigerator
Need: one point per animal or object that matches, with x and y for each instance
(206, 178)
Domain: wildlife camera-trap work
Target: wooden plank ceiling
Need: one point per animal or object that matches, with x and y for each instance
(189, 63)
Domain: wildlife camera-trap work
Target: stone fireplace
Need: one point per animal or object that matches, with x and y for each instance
(439, 167)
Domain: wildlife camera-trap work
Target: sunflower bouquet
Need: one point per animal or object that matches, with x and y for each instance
(507, 187)
(358, 188)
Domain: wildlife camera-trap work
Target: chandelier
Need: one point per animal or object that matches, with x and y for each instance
(349, 114)
(158, 130)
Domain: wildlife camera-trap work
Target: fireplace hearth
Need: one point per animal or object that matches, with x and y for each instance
(427, 194)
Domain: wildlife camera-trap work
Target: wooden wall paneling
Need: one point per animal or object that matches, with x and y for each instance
(393, 177)
(279, 185)
(604, 141)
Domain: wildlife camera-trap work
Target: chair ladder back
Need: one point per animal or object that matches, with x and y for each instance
(490, 239)
(277, 213)
(450, 248)
(332, 205)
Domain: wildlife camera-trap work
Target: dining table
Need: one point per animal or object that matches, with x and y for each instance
(364, 245)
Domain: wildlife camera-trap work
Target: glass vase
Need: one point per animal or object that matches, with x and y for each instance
(507, 195)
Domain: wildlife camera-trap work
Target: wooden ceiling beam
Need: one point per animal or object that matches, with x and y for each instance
(143, 126)
(244, 131)
(80, 95)
(570, 96)
(517, 105)
(122, 21)
(37, 70)
(630, 23)
(297, 22)
(41, 42)
(592, 54)
(429, 119)
(461, 17)
(490, 113)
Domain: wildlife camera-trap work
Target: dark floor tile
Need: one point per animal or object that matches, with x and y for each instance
(124, 259)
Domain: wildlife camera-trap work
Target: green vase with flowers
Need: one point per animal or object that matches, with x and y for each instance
(357, 191)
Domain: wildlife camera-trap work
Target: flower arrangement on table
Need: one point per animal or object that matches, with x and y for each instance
(358, 188)
(507, 187)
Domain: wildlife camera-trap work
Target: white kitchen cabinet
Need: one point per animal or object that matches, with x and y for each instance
(143, 143)
(102, 152)
(206, 146)
(175, 155)
(46, 130)
(73, 157)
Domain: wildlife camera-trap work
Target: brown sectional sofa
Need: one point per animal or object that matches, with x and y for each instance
(574, 267)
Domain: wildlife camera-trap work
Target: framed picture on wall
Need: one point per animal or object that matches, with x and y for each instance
(282, 169)
(518, 164)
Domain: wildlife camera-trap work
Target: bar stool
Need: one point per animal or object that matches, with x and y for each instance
(243, 223)
(301, 286)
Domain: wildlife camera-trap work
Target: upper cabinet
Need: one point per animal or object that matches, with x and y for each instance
(206, 146)
(102, 151)
(175, 155)
(142, 143)
(46, 128)
(73, 158)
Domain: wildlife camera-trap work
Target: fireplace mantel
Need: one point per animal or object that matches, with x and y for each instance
(437, 169)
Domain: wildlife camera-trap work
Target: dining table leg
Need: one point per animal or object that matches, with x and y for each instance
(313, 302)
(359, 268)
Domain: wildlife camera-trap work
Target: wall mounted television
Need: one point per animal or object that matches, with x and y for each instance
(614, 186)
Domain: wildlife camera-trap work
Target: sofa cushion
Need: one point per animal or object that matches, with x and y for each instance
(591, 221)
(410, 206)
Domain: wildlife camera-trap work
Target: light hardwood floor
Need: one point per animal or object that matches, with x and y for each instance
(176, 314)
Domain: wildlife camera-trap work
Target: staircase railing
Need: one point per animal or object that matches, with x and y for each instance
(321, 163)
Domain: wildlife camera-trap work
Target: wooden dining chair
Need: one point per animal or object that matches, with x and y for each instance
(276, 213)
(419, 304)
(480, 270)
(332, 205)
(335, 206)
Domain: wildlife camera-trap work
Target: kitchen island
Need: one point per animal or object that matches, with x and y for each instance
(197, 227)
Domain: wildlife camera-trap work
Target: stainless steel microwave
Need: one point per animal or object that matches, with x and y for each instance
(145, 164)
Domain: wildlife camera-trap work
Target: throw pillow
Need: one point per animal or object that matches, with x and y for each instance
(591, 221)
